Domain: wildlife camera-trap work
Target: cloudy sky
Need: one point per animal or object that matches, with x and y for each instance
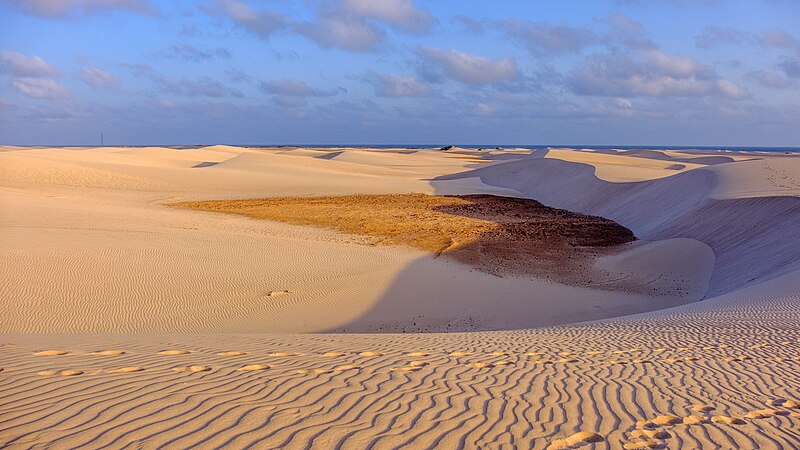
(625, 72)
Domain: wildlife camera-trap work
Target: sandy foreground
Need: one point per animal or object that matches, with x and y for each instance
(128, 323)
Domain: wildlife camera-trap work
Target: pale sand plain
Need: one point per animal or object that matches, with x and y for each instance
(127, 323)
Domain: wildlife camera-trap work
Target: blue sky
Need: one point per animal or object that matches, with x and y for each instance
(625, 72)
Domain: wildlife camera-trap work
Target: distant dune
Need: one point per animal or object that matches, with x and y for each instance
(131, 323)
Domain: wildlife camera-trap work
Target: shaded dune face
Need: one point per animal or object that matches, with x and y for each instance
(755, 239)
(498, 235)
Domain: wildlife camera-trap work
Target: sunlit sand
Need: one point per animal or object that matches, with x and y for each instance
(387, 298)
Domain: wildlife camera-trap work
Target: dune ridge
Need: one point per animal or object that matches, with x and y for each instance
(128, 323)
(696, 204)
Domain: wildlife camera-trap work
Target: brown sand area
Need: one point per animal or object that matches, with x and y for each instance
(493, 233)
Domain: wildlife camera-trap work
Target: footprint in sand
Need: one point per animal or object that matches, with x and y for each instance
(231, 353)
(417, 354)
(51, 353)
(313, 371)
(736, 359)
(659, 421)
(765, 413)
(406, 369)
(650, 434)
(702, 408)
(109, 352)
(284, 354)
(622, 352)
(617, 362)
(727, 420)
(253, 368)
(504, 363)
(457, 354)
(273, 294)
(480, 365)
(499, 353)
(347, 367)
(173, 352)
(695, 420)
(192, 369)
(333, 355)
(579, 438)
(792, 404)
(60, 373)
(644, 444)
(370, 354)
(126, 370)
(418, 363)
(567, 360)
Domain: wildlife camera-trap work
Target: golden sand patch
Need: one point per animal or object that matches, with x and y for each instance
(495, 234)
(727, 420)
(60, 373)
(51, 353)
(253, 368)
(192, 369)
(695, 420)
(575, 439)
(173, 352)
(126, 370)
(109, 352)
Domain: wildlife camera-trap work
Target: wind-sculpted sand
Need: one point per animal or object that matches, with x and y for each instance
(170, 324)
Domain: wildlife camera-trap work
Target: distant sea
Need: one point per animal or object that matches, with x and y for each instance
(720, 149)
(538, 147)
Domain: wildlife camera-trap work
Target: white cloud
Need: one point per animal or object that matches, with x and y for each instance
(68, 8)
(399, 86)
(99, 78)
(344, 32)
(293, 88)
(202, 87)
(544, 38)
(472, 69)
(650, 73)
(25, 66)
(773, 80)
(676, 66)
(262, 23)
(399, 13)
(732, 90)
(40, 88)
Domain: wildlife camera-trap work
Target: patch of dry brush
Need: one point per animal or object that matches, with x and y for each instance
(495, 234)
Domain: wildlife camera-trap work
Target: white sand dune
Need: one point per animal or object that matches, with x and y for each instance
(155, 301)
(754, 238)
